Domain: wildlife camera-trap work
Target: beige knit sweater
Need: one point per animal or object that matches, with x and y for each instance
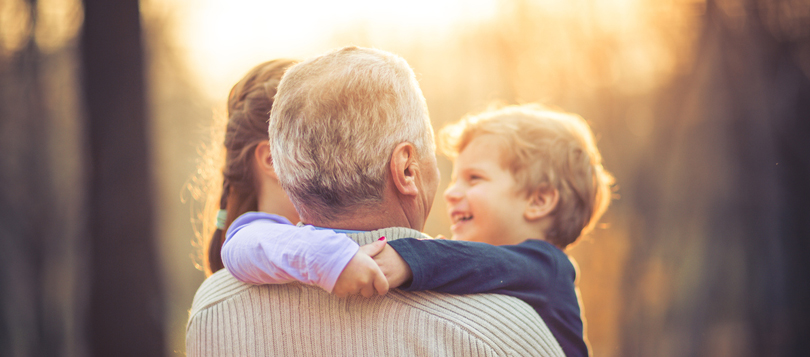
(230, 318)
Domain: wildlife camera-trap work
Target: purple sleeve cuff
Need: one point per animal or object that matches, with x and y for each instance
(266, 249)
(344, 251)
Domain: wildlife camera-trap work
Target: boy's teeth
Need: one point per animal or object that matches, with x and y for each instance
(461, 217)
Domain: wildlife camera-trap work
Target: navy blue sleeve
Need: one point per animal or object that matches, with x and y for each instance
(525, 270)
(533, 271)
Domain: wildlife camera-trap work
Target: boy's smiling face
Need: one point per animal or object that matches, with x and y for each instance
(483, 200)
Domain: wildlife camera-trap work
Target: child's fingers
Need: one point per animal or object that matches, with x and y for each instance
(367, 290)
(374, 248)
(381, 283)
(340, 293)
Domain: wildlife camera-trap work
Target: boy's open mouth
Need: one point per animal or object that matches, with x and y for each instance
(461, 217)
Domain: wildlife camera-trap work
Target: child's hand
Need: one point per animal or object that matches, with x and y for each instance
(393, 266)
(362, 275)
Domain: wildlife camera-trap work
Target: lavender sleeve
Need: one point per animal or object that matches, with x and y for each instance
(262, 248)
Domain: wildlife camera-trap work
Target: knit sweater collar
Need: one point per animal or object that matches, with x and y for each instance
(390, 233)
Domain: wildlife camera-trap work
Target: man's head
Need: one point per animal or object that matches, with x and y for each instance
(524, 166)
(338, 122)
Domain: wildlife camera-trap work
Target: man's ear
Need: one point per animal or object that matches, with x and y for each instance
(404, 168)
(541, 203)
(264, 160)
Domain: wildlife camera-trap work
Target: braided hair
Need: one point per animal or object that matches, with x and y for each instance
(249, 104)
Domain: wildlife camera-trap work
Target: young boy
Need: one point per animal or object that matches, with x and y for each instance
(527, 182)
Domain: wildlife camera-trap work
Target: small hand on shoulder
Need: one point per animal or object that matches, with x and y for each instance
(374, 268)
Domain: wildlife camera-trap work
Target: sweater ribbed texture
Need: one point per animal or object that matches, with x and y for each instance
(230, 318)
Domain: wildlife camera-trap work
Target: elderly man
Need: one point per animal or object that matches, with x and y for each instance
(353, 147)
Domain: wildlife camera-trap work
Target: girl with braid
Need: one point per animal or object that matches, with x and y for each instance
(246, 140)
(250, 185)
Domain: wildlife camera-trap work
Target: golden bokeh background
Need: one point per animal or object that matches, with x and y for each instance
(692, 258)
(467, 55)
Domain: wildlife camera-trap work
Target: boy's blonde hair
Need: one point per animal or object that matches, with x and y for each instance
(544, 149)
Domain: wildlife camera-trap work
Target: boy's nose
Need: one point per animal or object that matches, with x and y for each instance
(452, 193)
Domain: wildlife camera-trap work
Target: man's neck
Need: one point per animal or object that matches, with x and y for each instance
(390, 212)
(394, 210)
(365, 219)
(390, 233)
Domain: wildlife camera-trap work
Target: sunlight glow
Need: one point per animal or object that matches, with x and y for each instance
(58, 21)
(223, 39)
(631, 44)
(15, 17)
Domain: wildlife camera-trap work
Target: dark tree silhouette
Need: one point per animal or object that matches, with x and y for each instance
(125, 306)
(125, 302)
(26, 211)
(41, 200)
(725, 192)
(78, 269)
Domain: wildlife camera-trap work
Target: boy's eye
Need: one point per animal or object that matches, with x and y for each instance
(474, 177)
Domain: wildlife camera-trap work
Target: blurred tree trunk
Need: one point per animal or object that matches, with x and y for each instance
(26, 213)
(124, 315)
(41, 200)
(728, 189)
(78, 272)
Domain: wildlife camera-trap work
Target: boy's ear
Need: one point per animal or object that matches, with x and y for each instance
(404, 168)
(541, 203)
(264, 160)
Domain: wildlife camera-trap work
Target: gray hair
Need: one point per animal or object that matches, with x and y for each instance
(335, 123)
